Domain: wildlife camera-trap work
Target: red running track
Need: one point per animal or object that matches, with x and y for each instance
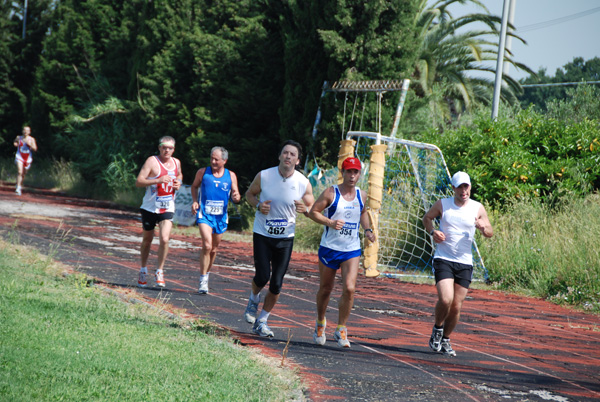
(508, 347)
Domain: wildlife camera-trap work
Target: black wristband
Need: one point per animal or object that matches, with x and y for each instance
(368, 230)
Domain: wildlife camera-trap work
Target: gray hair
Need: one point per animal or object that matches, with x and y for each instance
(166, 138)
(224, 153)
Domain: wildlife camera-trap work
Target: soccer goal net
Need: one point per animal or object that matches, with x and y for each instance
(402, 184)
(415, 177)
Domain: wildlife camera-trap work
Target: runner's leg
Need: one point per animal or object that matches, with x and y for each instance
(445, 290)
(460, 293)
(164, 232)
(207, 246)
(147, 237)
(20, 173)
(349, 273)
(326, 282)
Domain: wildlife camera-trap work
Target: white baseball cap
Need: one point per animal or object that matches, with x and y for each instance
(460, 178)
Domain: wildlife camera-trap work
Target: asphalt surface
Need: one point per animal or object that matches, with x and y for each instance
(508, 347)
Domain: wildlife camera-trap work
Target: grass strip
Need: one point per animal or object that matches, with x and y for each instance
(61, 339)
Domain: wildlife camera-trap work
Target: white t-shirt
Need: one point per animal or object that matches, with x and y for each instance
(281, 220)
(458, 224)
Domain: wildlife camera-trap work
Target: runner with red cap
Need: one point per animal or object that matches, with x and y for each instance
(341, 208)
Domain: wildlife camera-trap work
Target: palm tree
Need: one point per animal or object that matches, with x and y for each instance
(446, 57)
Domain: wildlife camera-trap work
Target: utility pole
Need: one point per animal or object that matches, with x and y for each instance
(511, 21)
(500, 61)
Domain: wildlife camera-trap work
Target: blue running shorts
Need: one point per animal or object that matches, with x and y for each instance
(333, 258)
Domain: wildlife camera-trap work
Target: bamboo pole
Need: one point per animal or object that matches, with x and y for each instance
(346, 151)
(375, 197)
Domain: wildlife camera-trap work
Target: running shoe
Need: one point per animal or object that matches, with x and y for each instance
(435, 342)
(203, 289)
(18, 191)
(160, 279)
(447, 348)
(261, 328)
(341, 336)
(319, 334)
(251, 310)
(142, 279)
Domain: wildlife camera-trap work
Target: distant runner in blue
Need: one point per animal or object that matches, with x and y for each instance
(212, 188)
(341, 208)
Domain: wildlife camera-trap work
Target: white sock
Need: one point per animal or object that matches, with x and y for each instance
(144, 270)
(254, 298)
(264, 316)
(203, 277)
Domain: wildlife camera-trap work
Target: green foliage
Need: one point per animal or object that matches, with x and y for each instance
(120, 175)
(581, 103)
(448, 54)
(335, 40)
(526, 157)
(576, 71)
(543, 251)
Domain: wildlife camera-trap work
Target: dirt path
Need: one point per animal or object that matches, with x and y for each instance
(508, 347)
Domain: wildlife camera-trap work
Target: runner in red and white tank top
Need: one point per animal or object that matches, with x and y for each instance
(25, 144)
(160, 198)
(161, 176)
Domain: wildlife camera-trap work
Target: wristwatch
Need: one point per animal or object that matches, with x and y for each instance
(431, 232)
(258, 206)
(368, 230)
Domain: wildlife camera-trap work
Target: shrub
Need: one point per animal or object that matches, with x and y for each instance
(527, 157)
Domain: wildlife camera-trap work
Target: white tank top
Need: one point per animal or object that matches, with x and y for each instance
(160, 199)
(458, 224)
(281, 220)
(347, 238)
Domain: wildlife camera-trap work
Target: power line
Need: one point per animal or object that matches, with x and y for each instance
(560, 20)
(559, 84)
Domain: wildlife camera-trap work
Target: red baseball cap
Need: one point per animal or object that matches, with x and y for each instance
(351, 163)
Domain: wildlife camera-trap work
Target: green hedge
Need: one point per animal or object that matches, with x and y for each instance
(526, 156)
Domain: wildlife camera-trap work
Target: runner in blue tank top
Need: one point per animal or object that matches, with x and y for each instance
(211, 190)
(341, 209)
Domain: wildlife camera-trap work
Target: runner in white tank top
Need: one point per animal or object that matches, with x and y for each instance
(279, 194)
(347, 238)
(161, 176)
(453, 260)
(340, 208)
(280, 220)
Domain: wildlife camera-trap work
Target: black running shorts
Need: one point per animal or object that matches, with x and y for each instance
(271, 260)
(461, 273)
(150, 219)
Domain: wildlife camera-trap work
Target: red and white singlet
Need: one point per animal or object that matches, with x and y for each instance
(24, 153)
(160, 198)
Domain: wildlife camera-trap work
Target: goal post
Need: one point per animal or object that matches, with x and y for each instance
(403, 179)
(416, 176)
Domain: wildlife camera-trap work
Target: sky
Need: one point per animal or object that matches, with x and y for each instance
(556, 31)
